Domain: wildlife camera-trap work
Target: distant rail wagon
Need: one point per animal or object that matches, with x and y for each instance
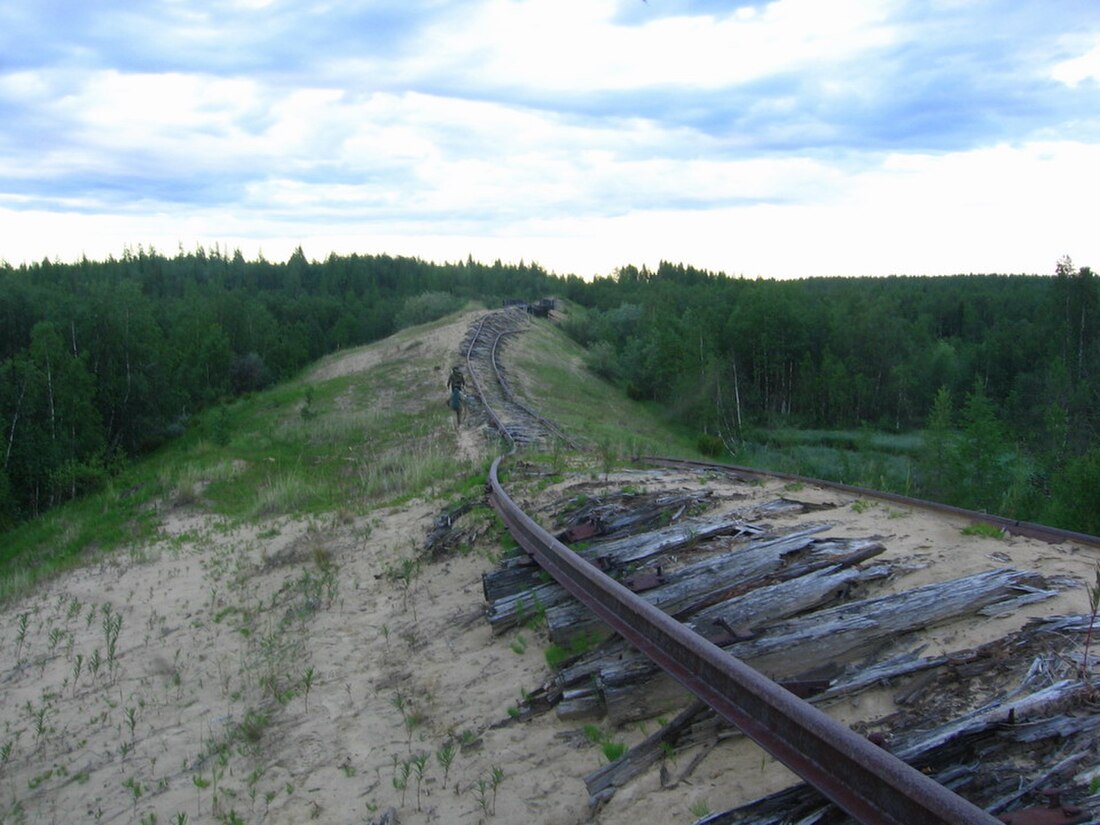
(541, 308)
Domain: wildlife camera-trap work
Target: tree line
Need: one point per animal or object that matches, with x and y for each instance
(102, 360)
(1002, 372)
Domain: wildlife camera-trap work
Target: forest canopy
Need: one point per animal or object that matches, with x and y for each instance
(100, 361)
(999, 372)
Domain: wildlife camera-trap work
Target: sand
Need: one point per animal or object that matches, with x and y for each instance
(283, 672)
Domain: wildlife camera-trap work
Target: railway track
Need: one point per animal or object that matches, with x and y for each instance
(520, 425)
(1052, 535)
(864, 780)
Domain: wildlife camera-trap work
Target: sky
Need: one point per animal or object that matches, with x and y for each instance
(788, 139)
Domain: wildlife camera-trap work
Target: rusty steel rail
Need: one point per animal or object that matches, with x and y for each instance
(507, 394)
(867, 782)
(477, 384)
(1053, 535)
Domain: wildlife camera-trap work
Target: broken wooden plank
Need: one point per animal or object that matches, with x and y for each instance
(781, 600)
(852, 630)
(515, 609)
(993, 726)
(762, 602)
(611, 555)
(511, 579)
(642, 755)
(620, 553)
(596, 517)
(819, 641)
(1049, 700)
(693, 583)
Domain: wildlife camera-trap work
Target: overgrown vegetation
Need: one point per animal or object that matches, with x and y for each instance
(999, 371)
(101, 361)
(257, 458)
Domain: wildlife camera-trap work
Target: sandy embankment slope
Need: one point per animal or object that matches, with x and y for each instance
(204, 710)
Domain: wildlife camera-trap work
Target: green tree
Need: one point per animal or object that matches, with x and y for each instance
(9, 508)
(72, 435)
(425, 307)
(1075, 501)
(125, 350)
(981, 453)
(199, 357)
(1076, 297)
(938, 462)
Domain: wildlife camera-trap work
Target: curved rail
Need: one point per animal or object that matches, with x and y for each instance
(1042, 532)
(869, 783)
(477, 384)
(548, 426)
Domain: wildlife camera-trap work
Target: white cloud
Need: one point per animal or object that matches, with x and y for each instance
(1005, 209)
(1079, 69)
(576, 46)
(773, 139)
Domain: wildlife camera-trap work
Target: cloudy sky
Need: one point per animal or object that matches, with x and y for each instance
(790, 138)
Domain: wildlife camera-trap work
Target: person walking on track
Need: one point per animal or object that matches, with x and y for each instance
(456, 382)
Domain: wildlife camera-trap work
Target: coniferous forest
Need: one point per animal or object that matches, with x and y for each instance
(999, 374)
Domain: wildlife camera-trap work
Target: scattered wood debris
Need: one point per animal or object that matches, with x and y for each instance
(826, 613)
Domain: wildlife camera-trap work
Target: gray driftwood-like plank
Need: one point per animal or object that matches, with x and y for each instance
(511, 610)
(851, 631)
(711, 580)
(630, 513)
(996, 726)
(633, 688)
(774, 602)
(1046, 702)
(619, 553)
(602, 782)
(615, 555)
(765, 604)
(513, 577)
(622, 517)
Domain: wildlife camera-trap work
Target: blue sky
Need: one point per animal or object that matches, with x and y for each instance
(783, 139)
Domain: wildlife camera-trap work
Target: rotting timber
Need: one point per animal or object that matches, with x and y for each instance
(754, 612)
(516, 422)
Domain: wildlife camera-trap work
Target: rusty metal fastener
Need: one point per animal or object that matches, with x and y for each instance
(640, 582)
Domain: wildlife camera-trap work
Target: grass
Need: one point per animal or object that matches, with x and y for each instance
(821, 454)
(379, 438)
(983, 529)
(610, 748)
(558, 654)
(376, 438)
(549, 373)
(699, 808)
(76, 534)
(862, 440)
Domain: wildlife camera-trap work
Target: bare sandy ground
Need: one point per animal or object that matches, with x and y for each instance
(287, 671)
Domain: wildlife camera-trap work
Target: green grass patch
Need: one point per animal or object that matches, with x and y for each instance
(76, 533)
(861, 440)
(558, 654)
(381, 436)
(550, 375)
(611, 749)
(862, 468)
(983, 529)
